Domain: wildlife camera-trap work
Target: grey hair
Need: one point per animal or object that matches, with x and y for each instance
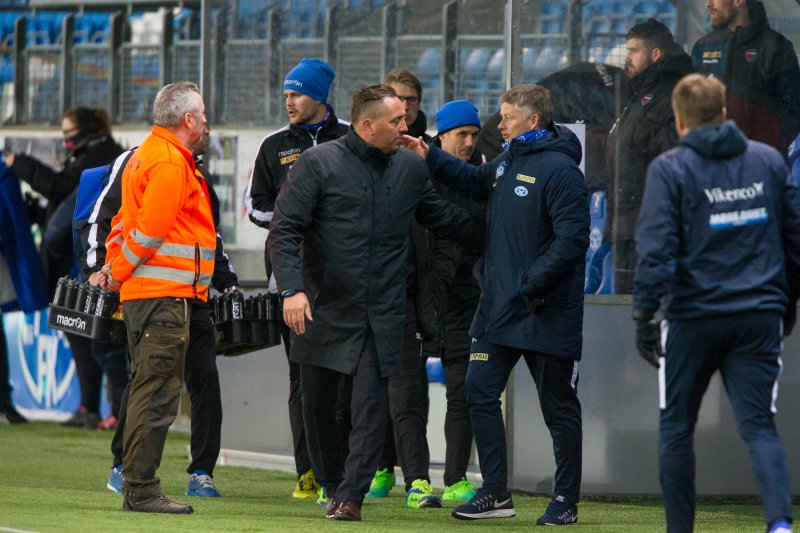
(172, 102)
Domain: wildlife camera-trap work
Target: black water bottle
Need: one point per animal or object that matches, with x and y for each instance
(71, 294)
(223, 306)
(60, 294)
(237, 306)
(101, 304)
(91, 301)
(80, 299)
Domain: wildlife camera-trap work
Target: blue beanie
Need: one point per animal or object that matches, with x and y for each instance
(455, 114)
(311, 77)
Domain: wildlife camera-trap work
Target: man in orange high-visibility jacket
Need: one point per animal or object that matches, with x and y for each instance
(162, 268)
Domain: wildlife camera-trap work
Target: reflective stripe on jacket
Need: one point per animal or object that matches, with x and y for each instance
(168, 235)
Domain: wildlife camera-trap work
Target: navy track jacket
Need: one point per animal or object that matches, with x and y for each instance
(719, 228)
(531, 274)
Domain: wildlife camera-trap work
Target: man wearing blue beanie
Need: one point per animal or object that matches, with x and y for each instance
(312, 121)
(458, 124)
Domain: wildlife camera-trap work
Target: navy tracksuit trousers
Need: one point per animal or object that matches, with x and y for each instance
(556, 381)
(745, 348)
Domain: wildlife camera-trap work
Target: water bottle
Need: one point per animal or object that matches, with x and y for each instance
(91, 301)
(71, 294)
(237, 306)
(80, 299)
(61, 289)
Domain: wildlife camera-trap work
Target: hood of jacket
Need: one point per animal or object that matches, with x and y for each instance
(758, 22)
(562, 140)
(720, 141)
(675, 65)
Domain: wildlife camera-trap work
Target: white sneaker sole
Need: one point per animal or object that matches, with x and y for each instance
(497, 513)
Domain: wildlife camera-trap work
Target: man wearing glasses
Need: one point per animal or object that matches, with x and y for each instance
(409, 91)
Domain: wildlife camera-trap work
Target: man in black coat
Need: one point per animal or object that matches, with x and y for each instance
(644, 129)
(350, 202)
(758, 66)
(531, 280)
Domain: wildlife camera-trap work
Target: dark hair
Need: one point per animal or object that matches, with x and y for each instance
(699, 100)
(91, 123)
(401, 75)
(531, 100)
(653, 33)
(366, 97)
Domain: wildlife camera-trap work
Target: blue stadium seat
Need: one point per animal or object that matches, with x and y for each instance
(430, 60)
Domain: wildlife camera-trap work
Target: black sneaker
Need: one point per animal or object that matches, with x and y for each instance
(486, 504)
(559, 513)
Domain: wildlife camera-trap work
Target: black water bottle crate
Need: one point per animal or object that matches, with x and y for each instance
(81, 309)
(243, 326)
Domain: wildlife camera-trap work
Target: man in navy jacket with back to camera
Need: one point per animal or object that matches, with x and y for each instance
(719, 237)
(531, 280)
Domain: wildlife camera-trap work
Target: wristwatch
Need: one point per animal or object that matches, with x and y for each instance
(290, 292)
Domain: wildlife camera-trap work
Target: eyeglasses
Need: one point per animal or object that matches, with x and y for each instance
(66, 133)
(410, 99)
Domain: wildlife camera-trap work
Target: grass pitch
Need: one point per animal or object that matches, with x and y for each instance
(52, 479)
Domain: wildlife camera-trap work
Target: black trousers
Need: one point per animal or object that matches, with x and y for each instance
(348, 480)
(408, 405)
(302, 462)
(457, 425)
(92, 360)
(5, 379)
(202, 381)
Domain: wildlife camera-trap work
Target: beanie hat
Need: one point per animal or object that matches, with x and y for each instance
(455, 114)
(311, 77)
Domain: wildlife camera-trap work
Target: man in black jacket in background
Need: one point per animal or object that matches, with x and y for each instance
(644, 129)
(759, 68)
(350, 202)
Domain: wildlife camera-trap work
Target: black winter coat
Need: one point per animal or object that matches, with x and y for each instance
(56, 186)
(351, 207)
(644, 129)
(531, 274)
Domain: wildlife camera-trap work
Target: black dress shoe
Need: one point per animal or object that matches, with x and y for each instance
(12, 415)
(160, 504)
(77, 420)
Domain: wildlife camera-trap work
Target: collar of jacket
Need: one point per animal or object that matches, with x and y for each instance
(329, 125)
(419, 127)
(675, 65)
(170, 137)
(366, 152)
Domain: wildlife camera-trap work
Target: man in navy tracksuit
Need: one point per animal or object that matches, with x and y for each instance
(531, 280)
(719, 237)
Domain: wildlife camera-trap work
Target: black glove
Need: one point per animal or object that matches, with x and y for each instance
(789, 318)
(648, 336)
